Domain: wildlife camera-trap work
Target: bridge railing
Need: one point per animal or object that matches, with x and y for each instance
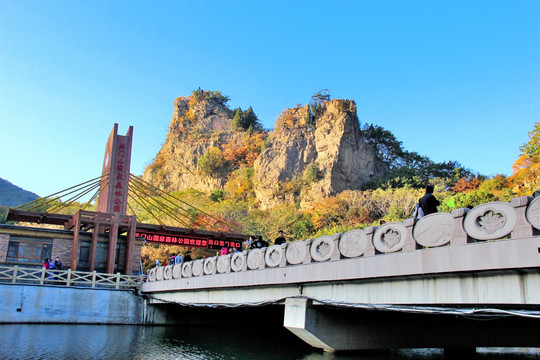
(517, 219)
(16, 274)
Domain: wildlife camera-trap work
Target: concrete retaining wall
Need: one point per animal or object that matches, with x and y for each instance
(59, 304)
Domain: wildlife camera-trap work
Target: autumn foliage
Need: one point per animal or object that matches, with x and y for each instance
(464, 184)
(244, 151)
(526, 170)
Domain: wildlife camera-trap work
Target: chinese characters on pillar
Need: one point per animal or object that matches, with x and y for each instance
(121, 176)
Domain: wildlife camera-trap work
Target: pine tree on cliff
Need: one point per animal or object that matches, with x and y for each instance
(237, 120)
(243, 120)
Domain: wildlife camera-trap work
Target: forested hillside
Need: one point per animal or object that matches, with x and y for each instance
(12, 195)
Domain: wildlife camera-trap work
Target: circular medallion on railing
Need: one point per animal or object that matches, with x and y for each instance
(222, 264)
(237, 261)
(255, 259)
(159, 273)
(533, 213)
(177, 271)
(197, 268)
(353, 243)
(273, 255)
(186, 269)
(210, 266)
(322, 248)
(490, 221)
(434, 229)
(151, 274)
(296, 252)
(167, 272)
(390, 237)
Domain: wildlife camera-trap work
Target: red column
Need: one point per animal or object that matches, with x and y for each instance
(93, 247)
(113, 237)
(76, 227)
(130, 244)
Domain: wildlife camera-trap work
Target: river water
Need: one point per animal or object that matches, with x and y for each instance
(206, 343)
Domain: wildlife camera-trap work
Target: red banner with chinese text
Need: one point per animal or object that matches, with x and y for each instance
(168, 239)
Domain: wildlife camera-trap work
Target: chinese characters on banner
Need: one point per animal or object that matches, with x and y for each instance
(168, 239)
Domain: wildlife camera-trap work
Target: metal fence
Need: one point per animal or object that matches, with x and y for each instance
(16, 274)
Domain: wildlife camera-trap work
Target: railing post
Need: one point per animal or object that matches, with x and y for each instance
(522, 228)
(68, 278)
(42, 279)
(14, 278)
(410, 243)
(117, 280)
(460, 235)
(94, 278)
(370, 249)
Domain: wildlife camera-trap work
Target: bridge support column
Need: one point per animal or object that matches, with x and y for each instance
(332, 329)
(317, 329)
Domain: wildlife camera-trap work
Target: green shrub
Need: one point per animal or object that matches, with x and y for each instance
(313, 173)
(201, 94)
(217, 195)
(211, 162)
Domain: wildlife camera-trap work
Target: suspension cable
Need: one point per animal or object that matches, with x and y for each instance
(59, 192)
(163, 192)
(160, 205)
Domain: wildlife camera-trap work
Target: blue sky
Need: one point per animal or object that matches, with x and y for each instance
(452, 80)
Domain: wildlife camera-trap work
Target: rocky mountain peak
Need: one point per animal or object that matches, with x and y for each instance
(315, 151)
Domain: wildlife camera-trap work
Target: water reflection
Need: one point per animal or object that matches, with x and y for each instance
(204, 343)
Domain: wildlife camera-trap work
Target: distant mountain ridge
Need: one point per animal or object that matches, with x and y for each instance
(13, 195)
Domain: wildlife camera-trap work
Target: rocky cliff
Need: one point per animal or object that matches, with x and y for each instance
(321, 154)
(196, 127)
(310, 154)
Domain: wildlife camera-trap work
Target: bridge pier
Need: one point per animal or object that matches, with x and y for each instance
(335, 329)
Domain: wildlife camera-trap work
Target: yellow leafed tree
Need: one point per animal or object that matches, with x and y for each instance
(526, 170)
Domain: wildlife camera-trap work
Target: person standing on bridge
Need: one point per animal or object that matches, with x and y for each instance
(178, 259)
(259, 243)
(280, 239)
(429, 202)
(58, 264)
(249, 242)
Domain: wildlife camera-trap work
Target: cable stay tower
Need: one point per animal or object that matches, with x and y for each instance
(112, 209)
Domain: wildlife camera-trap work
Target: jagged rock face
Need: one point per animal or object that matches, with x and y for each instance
(334, 143)
(196, 127)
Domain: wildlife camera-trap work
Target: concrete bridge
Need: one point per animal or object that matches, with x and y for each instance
(461, 280)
